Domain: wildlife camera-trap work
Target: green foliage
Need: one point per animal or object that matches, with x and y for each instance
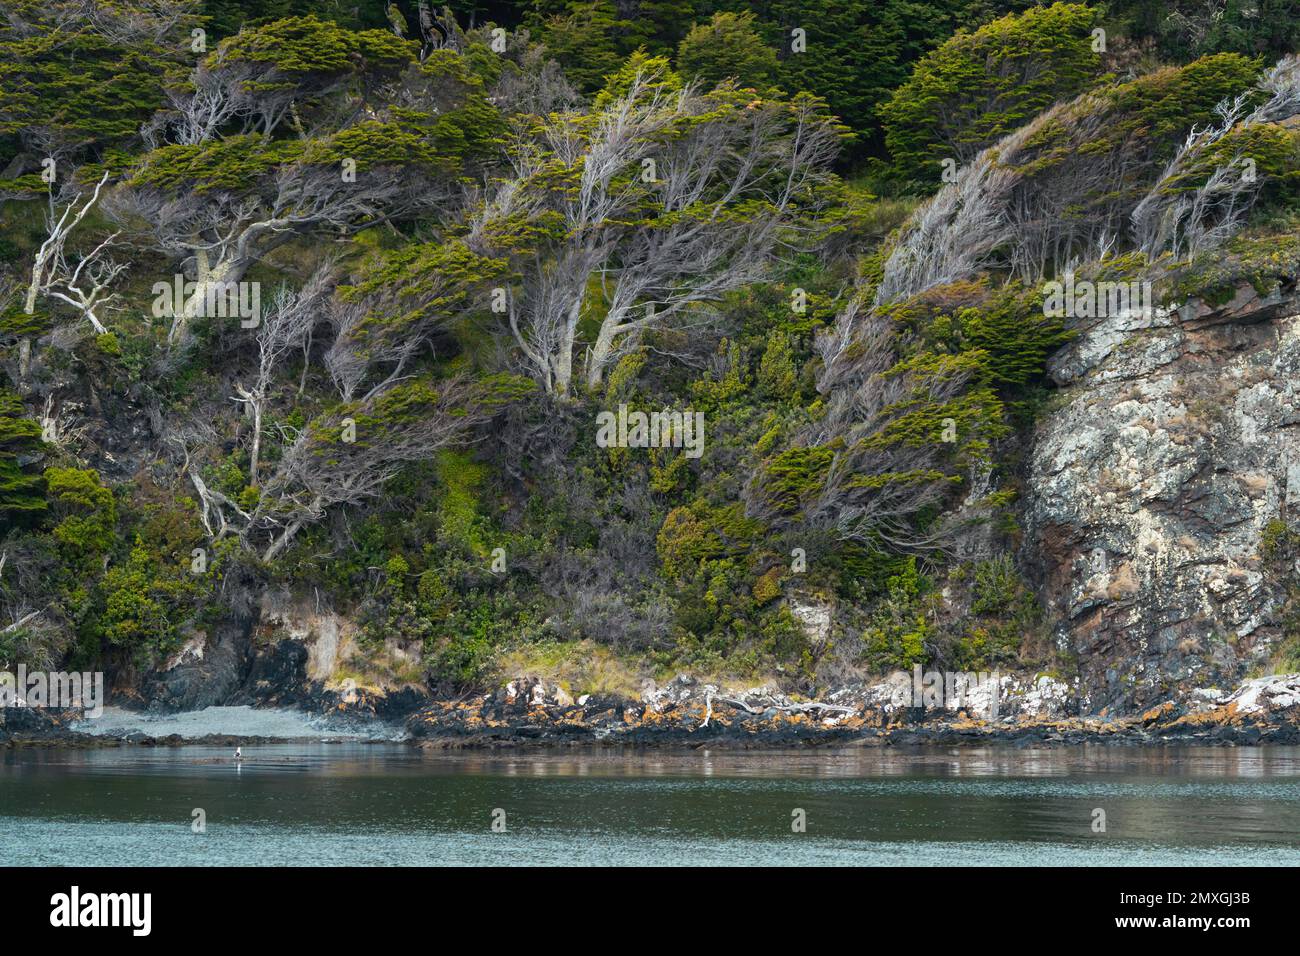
(616, 29)
(1267, 259)
(778, 375)
(768, 587)
(1279, 549)
(661, 78)
(795, 477)
(463, 127)
(1003, 331)
(970, 365)
(582, 40)
(22, 489)
(1160, 107)
(1249, 27)
(418, 283)
(86, 513)
(727, 47)
(235, 164)
(965, 423)
(146, 604)
(901, 627)
(298, 50)
(462, 658)
(979, 86)
(1273, 150)
(717, 389)
(697, 534)
(225, 17)
(1279, 543)
(460, 523)
(657, 26)
(64, 86)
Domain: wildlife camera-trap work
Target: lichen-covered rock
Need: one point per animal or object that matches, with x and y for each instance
(1268, 695)
(1173, 445)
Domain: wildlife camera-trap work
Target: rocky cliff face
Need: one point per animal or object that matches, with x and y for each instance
(271, 649)
(1150, 485)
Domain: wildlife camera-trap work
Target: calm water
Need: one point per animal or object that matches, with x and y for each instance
(350, 803)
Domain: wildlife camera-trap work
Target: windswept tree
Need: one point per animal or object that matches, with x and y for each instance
(1064, 188)
(396, 312)
(905, 425)
(286, 328)
(347, 454)
(1205, 192)
(301, 128)
(947, 334)
(654, 203)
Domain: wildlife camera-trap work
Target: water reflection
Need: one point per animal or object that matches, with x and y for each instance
(864, 805)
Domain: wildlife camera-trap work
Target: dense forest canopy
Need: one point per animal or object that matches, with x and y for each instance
(319, 296)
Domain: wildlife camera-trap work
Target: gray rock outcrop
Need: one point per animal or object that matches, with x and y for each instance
(1172, 446)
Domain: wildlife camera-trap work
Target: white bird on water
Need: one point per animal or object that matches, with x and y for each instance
(238, 754)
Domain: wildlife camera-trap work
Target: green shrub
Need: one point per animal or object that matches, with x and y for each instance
(86, 511)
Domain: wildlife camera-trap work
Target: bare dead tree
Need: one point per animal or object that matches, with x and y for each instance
(283, 329)
(954, 234)
(45, 265)
(140, 20)
(83, 286)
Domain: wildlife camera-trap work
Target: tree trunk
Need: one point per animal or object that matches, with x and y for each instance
(255, 453)
(563, 362)
(226, 272)
(282, 542)
(24, 361)
(600, 352)
(29, 308)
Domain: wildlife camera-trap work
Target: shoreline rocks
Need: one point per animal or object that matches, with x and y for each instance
(687, 713)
